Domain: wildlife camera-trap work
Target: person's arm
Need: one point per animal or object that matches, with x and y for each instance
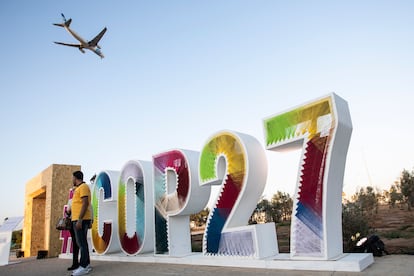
(69, 208)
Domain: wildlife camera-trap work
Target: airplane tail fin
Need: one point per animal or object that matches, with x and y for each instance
(66, 23)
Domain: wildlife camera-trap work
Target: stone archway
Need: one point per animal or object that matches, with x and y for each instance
(45, 196)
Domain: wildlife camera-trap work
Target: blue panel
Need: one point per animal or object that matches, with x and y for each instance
(310, 219)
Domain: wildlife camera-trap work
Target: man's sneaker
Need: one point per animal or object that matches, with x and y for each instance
(88, 268)
(75, 270)
(81, 271)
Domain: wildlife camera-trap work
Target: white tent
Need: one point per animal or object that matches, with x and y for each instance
(6, 230)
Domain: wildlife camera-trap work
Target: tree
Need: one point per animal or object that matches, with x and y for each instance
(265, 207)
(367, 200)
(200, 218)
(278, 209)
(16, 241)
(407, 187)
(262, 212)
(395, 195)
(282, 205)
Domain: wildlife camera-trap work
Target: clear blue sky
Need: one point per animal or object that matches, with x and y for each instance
(175, 72)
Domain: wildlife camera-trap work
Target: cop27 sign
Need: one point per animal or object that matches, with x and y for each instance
(145, 208)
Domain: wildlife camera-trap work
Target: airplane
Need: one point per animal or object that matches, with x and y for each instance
(90, 45)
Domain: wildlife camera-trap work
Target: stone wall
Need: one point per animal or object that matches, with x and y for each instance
(45, 196)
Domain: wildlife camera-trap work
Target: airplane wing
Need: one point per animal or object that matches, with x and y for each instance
(94, 42)
(68, 44)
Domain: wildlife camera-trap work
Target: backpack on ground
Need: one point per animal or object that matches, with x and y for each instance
(372, 244)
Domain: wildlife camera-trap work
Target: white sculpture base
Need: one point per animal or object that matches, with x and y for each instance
(352, 262)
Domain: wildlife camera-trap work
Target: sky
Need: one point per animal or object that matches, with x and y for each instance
(176, 72)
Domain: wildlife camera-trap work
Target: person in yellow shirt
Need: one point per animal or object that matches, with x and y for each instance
(81, 219)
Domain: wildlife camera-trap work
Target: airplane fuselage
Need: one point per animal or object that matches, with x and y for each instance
(78, 37)
(84, 43)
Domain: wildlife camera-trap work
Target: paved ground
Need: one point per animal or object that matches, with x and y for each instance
(386, 265)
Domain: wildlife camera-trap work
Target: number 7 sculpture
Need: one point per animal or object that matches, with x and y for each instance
(323, 129)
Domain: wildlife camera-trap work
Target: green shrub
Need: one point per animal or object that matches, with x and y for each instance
(354, 223)
(393, 235)
(404, 227)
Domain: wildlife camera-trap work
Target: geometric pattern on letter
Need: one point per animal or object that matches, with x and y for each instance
(237, 163)
(104, 203)
(134, 204)
(177, 195)
(314, 127)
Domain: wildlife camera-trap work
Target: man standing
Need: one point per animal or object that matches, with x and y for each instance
(81, 219)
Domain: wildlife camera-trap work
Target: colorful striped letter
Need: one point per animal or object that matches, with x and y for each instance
(104, 202)
(237, 162)
(135, 208)
(177, 195)
(323, 129)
